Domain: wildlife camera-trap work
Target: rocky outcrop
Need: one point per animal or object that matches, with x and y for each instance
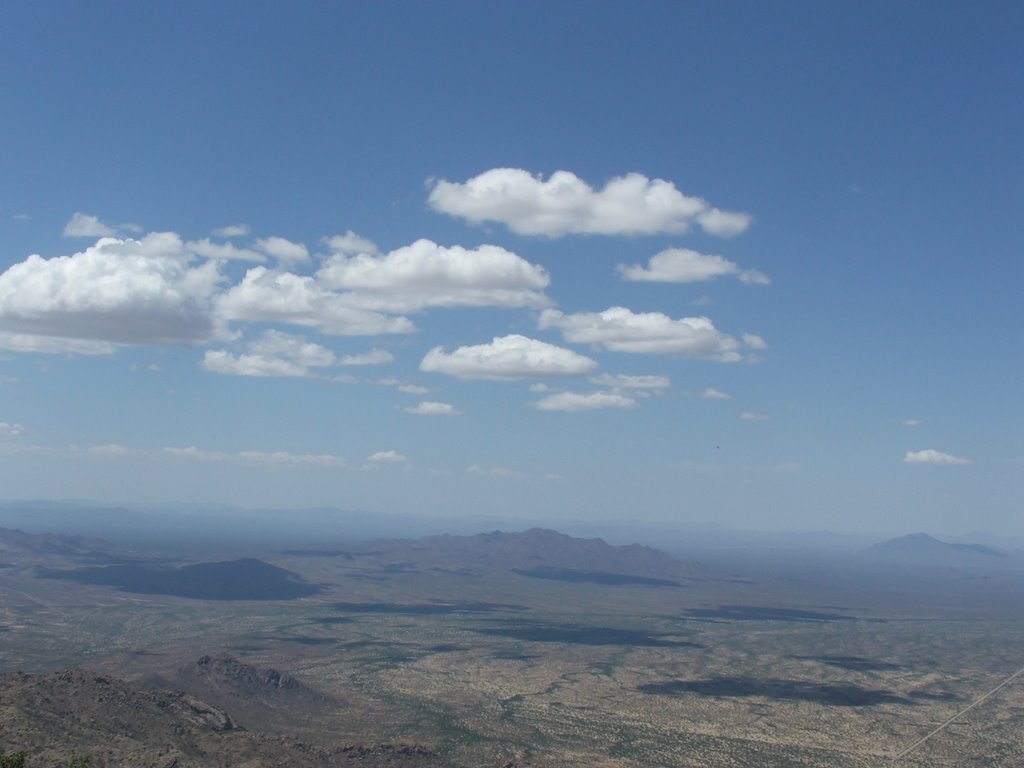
(51, 716)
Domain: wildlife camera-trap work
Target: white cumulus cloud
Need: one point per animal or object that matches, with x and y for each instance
(275, 353)
(931, 456)
(507, 357)
(754, 341)
(285, 251)
(752, 416)
(682, 265)
(911, 422)
(350, 244)
(10, 430)
(565, 204)
(373, 357)
(710, 393)
(621, 381)
(723, 223)
(573, 401)
(431, 408)
(621, 330)
(232, 230)
(426, 274)
(116, 292)
(275, 343)
(223, 251)
(386, 457)
(84, 225)
(274, 296)
(222, 361)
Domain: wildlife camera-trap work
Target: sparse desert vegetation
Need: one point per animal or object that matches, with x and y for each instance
(481, 663)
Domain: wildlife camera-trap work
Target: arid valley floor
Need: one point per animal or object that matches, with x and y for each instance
(537, 646)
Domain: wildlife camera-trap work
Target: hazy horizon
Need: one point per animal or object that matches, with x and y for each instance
(138, 521)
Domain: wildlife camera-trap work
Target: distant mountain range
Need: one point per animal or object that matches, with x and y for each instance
(538, 553)
(14, 542)
(923, 549)
(226, 527)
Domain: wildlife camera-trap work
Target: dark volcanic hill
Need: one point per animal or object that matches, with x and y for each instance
(257, 697)
(923, 549)
(51, 716)
(541, 553)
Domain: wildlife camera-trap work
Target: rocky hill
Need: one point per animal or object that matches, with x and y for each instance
(260, 698)
(50, 716)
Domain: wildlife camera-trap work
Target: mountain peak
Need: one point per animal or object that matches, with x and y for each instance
(925, 549)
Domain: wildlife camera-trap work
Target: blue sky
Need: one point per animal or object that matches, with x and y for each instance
(751, 264)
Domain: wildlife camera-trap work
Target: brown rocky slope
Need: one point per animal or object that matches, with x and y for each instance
(51, 716)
